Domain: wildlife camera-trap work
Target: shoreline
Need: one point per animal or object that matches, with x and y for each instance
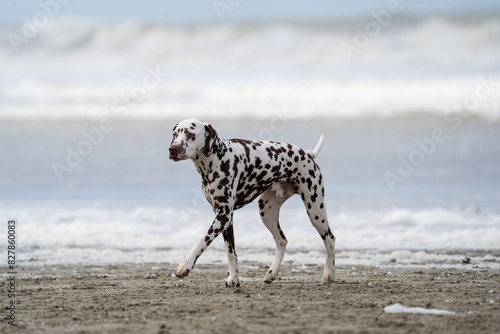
(147, 298)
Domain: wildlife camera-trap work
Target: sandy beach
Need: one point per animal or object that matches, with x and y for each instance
(148, 299)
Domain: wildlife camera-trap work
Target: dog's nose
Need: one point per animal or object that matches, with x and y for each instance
(174, 150)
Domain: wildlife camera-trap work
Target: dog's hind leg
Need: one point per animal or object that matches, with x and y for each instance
(269, 208)
(314, 202)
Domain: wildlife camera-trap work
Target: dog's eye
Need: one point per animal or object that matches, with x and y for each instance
(190, 136)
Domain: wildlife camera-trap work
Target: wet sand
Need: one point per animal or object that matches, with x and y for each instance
(148, 299)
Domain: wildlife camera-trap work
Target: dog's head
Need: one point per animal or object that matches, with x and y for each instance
(190, 137)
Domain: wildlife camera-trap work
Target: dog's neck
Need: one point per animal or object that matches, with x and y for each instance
(205, 165)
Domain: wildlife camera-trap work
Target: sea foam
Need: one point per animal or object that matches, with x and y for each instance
(57, 233)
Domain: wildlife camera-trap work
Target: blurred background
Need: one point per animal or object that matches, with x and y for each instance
(407, 94)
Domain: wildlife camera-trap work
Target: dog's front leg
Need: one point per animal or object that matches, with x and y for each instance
(232, 271)
(221, 223)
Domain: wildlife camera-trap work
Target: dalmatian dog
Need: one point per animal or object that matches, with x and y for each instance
(235, 172)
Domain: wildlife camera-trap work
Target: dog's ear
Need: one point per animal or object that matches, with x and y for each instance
(210, 135)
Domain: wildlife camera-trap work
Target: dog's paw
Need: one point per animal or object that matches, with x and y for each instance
(327, 278)
(232, 282)
(181, 271)
(270, 276)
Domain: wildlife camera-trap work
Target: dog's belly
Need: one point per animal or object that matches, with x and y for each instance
(249, 194)
(279, 179)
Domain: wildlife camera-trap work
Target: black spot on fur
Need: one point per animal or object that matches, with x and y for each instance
(228, 235)
(221, 199)
(281, 232)
(261, 176)
(258, 163)
(224, 167)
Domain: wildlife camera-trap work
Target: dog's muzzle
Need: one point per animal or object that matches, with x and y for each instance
(176, 152)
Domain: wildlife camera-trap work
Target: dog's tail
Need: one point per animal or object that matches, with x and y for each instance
(317, 149)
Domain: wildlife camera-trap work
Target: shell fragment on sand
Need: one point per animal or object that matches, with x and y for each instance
(398, 308)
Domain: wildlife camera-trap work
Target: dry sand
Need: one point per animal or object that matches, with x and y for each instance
(147, 299)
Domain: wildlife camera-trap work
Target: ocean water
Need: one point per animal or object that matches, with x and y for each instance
(411, 122)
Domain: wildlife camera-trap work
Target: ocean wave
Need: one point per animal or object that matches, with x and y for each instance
(473, 43)
(477, 37)
(82, 69)
(377, 98)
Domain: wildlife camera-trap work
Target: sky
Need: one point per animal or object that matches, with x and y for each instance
(14, 12)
